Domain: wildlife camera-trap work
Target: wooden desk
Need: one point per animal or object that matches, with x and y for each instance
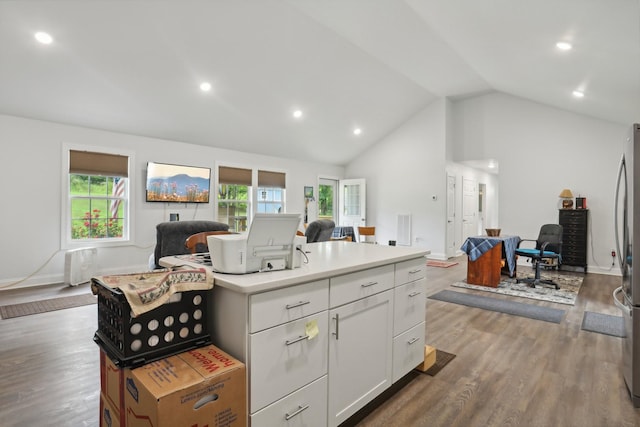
(489, 257)
(486, 270)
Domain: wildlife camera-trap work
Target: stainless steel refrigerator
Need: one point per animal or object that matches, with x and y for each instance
(627, 235)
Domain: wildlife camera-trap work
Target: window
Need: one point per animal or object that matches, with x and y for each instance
(98, 193)
(234, 188)
(271, 187)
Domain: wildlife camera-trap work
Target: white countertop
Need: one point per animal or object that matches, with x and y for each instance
(326, 259)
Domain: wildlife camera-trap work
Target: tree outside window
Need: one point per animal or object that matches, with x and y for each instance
(233, 205)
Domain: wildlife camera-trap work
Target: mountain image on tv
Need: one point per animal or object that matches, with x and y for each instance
(180, 187)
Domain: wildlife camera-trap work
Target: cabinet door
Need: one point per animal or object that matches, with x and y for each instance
(408, 351)
(360, 354)
(410, 305)
(285, 358)
(306, 407)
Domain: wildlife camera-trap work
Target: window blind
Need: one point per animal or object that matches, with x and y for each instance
(238, 176)
(91, 163)
(271, 179)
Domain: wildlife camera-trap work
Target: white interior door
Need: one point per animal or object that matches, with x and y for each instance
(469, 208)
(482, 207)
(353, 202)
(451, 216)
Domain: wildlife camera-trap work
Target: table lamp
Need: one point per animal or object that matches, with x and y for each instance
(567, 198)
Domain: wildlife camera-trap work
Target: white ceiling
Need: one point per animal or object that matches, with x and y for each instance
(135, 66)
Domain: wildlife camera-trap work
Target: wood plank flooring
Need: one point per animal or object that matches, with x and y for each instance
(509, 371)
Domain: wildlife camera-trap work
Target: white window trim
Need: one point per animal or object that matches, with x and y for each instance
(65, 224)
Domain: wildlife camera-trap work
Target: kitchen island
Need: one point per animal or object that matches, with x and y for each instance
(322, 340)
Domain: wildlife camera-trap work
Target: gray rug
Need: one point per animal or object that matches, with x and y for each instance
(603, 324)
(530, 311)
(567, 294)
(43, 306)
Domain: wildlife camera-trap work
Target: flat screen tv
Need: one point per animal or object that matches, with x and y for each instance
(177, 184)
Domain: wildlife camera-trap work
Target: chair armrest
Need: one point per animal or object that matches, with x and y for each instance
(526, 240)
(543, 247)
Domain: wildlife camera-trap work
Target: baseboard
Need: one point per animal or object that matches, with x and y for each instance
(53, 279)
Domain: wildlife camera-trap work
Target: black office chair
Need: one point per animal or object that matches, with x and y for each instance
(548, 246)
(320, 230)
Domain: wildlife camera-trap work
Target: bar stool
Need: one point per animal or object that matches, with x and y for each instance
(368, 233)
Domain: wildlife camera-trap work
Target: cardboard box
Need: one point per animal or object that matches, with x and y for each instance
(111, 383)
(429, 358)
(204, 387)
(110, 416)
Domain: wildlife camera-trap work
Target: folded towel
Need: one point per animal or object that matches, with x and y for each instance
(146, 291)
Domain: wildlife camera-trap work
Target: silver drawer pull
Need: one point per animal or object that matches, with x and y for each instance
(412, 340)
(301, 408)
(295, 340)
(414, 294)
(366, 285)
(337, 332)
(297, 304)
(415, 271)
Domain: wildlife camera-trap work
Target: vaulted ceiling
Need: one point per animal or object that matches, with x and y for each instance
(136, 66)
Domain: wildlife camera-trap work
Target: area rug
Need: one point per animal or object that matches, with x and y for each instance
(43, 306)
(441, 264)
(567, 294)
(553, 315)
(603, 324)
(442, 359)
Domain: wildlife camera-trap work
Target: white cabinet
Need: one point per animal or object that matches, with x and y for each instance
(408, 351)
(306, 407)
(286, 357)
(409, 316)
(360, 350)
(288, 345)
(323, 340)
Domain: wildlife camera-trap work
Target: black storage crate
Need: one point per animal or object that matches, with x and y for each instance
(176, 326)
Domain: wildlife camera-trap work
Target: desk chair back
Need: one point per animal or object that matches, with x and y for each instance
(319, 230)
(170, 236)
(198, 242)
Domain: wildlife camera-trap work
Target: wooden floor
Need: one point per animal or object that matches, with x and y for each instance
(509, 371)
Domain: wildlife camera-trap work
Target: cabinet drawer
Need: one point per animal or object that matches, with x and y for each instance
(409, 305)
(305, 407)
(408, 271)
(283, 359)
(408, 351)
(283, 305)
(353, 286)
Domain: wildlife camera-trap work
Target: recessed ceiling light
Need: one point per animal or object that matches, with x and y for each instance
(564, 45)
(357, 131)
(205, 86)
(297, 114)
(43, 37)
(578, 94)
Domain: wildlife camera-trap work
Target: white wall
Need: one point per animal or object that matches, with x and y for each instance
(403, 172)
(542, 150)
(31, 178)
(492, 219)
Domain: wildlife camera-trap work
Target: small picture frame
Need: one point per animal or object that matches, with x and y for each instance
(308, 192)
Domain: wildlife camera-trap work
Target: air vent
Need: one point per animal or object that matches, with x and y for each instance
(404, 230)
